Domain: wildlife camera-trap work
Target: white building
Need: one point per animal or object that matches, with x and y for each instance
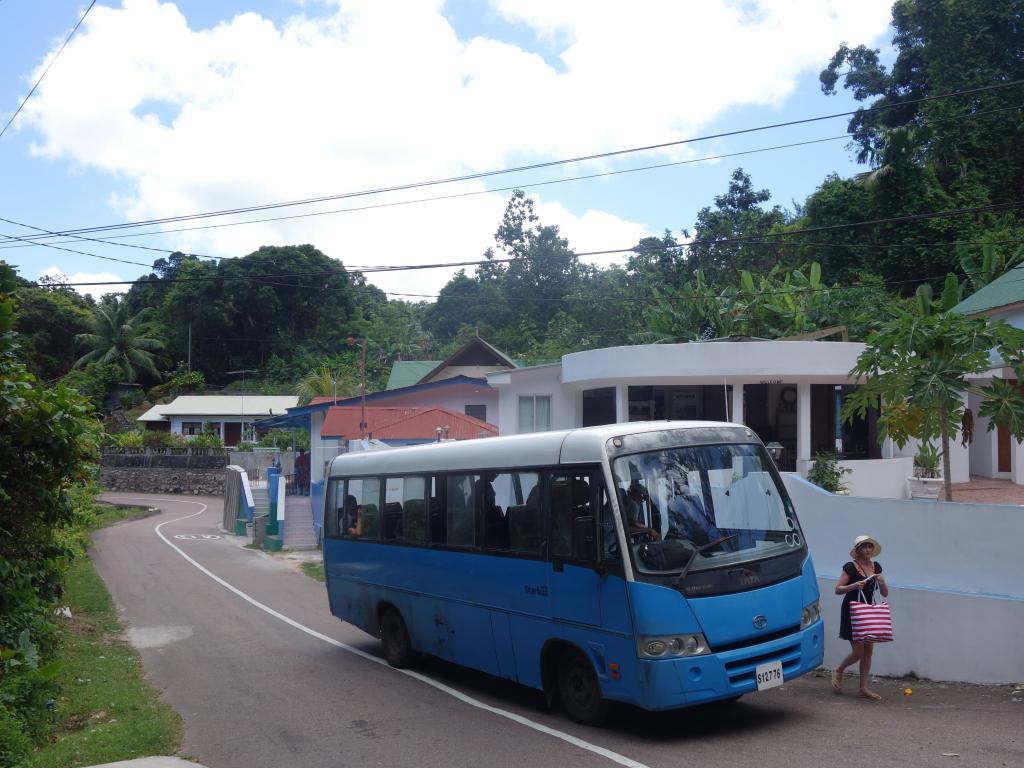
(789, 392)
(996, 453)
(231, 415)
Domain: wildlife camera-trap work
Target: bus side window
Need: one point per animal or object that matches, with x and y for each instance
(525, 519)
(609, 536)
(414, 509)
(394, 488)
(370, 512)
(436, 513)
(571, 517)
(461, 509)
(334, 507)
(492, 492)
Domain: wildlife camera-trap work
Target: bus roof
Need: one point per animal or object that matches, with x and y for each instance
(585, 445)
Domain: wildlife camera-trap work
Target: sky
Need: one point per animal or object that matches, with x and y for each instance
(158, 109)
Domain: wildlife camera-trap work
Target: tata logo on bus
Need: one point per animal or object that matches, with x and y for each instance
(760, 622)
(536, 591)
(745, 577)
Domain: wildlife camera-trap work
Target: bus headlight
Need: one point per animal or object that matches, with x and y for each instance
(672, 645)
(810, 615)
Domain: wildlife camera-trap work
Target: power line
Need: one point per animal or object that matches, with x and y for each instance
(55, 56)
(535, 166)
(997, 207)
(38, 240)
(533, 299)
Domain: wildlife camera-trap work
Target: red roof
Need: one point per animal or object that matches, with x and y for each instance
(398, 423)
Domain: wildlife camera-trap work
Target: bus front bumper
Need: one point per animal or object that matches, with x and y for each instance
(671, 683)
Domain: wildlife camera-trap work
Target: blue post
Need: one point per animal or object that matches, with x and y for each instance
(273, 481)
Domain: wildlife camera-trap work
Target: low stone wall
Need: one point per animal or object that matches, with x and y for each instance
(199, 482)
(145, 471)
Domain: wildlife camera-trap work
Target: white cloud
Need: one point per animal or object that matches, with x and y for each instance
(384, 93)
(96, 291)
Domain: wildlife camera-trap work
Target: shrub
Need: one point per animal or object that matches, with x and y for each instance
(133, 439)
(826, 472)
(47, 472)
(927, 461)
(155, 439)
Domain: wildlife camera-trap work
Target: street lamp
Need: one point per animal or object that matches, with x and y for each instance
(243, 371)
(353, 341)
(775, 450)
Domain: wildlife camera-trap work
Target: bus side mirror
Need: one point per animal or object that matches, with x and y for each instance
(583, 539)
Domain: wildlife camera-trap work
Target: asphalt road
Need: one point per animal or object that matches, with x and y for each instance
(244, 647)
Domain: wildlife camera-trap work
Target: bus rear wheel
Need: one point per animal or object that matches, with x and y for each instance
(579, 689)
(394, 638)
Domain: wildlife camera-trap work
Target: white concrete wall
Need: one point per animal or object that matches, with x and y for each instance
(873, 478)
(543, 380)
(985, 445)
(710, 362)
(953, 572)
(320, 451)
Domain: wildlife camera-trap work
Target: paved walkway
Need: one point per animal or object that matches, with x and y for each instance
(984, 490)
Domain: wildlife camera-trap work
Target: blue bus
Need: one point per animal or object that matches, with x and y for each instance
(655, 563)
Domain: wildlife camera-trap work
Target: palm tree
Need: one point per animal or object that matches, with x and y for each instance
(323, 382)
(117, 339)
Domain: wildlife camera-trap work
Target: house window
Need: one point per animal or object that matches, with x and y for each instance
(192, 428)
(598, 406)
(477, 412)
(534, 413)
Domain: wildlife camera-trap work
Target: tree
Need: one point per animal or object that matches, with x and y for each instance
(49, 318)
(323, 381)
(915, 369)
(938, 154)
(117, 338)
(737, 214)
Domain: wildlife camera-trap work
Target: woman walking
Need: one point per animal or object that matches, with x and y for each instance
(860, 576)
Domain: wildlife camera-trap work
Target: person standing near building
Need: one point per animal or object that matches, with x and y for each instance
(302, 471)
(857, 582)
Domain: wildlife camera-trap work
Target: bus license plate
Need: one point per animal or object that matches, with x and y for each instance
(768, 675)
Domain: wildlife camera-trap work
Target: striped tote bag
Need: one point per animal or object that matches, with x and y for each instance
(871, 622)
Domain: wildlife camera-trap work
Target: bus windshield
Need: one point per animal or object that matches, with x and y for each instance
(696, 508)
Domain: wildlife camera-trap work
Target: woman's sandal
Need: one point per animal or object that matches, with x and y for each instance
(870, 696)
(837, 681)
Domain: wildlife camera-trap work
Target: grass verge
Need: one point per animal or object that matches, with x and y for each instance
(106, 711)
(108, 514)
(314, 570)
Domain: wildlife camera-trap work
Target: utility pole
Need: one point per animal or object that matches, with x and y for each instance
(353, 341)
(241, 429)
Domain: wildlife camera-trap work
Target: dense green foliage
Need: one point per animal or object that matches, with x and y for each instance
(46, 491)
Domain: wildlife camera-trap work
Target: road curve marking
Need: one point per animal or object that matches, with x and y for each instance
(615, 757)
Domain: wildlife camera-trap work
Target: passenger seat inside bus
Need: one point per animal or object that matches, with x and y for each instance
(393, 520)
(524, 528)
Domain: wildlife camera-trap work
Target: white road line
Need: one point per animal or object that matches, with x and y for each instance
(615, 757)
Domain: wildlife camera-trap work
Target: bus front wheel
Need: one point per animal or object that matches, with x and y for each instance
(394, 638)
(579, 689)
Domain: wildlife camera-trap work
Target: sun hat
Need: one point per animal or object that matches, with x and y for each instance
(864, 539)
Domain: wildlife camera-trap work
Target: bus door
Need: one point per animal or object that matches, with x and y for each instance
(585, 581)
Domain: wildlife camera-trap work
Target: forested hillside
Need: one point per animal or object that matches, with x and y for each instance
(941, 139)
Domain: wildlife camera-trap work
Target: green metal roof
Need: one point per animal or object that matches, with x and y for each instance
(1006, 289)
(405, 373)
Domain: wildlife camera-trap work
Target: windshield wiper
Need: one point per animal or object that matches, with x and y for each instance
(700, 551)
